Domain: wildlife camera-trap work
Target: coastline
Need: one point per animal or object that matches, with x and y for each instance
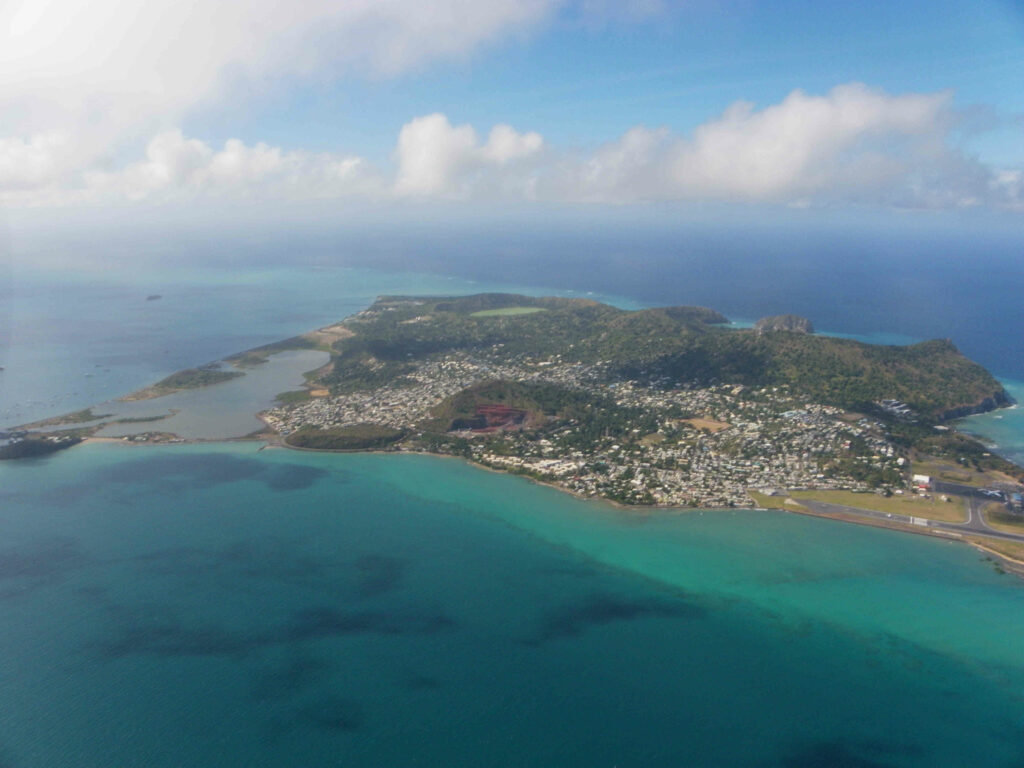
(270, 438)
(974, 540)
(1005, 562)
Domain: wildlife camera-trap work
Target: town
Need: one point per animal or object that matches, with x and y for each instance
(690, 446)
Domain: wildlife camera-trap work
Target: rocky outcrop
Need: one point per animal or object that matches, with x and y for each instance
(696, 315)
(791, 323)
(998, 400)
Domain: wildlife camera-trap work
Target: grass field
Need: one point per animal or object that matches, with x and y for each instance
(773, 502)
(954, 473)
(654, 438)
(953, 511)
(1002, 519)
(507, 311)
(709, 424)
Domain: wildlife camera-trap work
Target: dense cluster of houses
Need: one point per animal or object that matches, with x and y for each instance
(710, 446)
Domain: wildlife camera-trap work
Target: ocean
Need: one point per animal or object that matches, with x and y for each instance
(72, 340)
(220, 605)
(224, 606)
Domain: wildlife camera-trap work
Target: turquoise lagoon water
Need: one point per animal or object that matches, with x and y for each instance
(220, 605)
(72, 340)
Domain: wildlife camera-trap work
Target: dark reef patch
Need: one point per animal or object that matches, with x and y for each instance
(333, 713)
(600, 609)
(207, 470)
(422, 683)
(45, 560)
(323, 622)
(203, 470)
(272, 559)
(838, 753)
(164, 638)
(137, 632)
(293, 477)
(258, 559)
(174, 561)
(379, 574)
(296, 675)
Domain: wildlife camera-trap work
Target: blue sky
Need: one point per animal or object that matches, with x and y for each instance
(839, 106)
(582, 84)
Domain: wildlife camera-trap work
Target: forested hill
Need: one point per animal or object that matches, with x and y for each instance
(665, 347)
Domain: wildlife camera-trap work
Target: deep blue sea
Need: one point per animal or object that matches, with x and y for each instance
(222, 605)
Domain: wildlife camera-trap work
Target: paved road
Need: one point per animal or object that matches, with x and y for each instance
(975, 525)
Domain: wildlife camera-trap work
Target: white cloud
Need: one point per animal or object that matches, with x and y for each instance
(505, 144)
(432, 153)
(808, 143)
(169, 54)
(176, 167)
(436, 158)
(121, 70)
(852, 145)
(39, 161)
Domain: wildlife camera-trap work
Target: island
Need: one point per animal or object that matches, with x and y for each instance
(661, 407)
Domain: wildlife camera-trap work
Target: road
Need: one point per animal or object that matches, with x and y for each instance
(975, 525)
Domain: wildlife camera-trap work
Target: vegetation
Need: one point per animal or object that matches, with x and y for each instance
(142, 419)
(539, 401)
(952, 511)
(76, 417)
(636, 406)
(508, 311)
(194, 378)
(357, 437)
(293, 396)
(664, 346)
(855, 468)
(363, 371)
(259, 355)
(1002, 519)
(960, 471)
(34, 447)
(790, 323)
(954, 456)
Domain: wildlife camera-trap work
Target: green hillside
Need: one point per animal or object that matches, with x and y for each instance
(665, 347)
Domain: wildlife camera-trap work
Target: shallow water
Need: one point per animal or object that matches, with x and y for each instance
(219, 605)
(220, 411)
(68, 341)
